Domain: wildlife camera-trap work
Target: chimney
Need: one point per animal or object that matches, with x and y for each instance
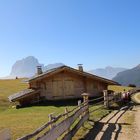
(80, 67)
(39, 70)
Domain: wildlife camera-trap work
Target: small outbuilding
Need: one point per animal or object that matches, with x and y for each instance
(61, 83)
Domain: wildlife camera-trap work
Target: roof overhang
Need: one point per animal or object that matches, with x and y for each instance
(66, 68)
(22, 94)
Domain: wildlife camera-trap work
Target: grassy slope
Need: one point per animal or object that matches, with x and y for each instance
(8, 87)
(25, 120)
(119, 88)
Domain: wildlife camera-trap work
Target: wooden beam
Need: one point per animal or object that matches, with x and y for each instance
(69, 135)
(63, 126)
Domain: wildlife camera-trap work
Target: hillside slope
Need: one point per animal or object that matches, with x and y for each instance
(131, 76)
(26, 67)
(108, 72)
(8, 87)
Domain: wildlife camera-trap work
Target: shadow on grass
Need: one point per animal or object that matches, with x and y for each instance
(60, 103)
(57, 103)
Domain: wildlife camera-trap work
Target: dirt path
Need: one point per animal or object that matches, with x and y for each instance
(137, 123)
(136, 97)
(119, 125)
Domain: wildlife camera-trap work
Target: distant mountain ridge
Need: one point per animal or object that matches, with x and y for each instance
(108, 72)
(27, 67)
(131, 76)
(51, 66)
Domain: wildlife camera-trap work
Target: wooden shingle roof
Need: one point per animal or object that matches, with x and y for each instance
(82, 73)
(22, 94)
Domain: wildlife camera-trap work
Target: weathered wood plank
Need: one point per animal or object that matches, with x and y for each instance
(29, 136)
(76, 128)
(63, 126)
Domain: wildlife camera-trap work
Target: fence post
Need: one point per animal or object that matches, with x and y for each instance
(79, 104)
(106, 101)
(50, 119)
(86, 99)
(66, 111)
(66, 116)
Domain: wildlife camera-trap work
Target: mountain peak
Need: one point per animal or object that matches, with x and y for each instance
(109, 67)
(26, 67)
(138, 66)
(107, 72)
(131, 76)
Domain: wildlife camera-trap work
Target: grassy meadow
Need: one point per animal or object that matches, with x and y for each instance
(25, 120)
(119, 88)
(8, 87)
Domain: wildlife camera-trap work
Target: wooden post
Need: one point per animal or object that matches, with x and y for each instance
(86, 99)
(79, 104)
(50, 119)
(106, 101)
(66, 116)
(66, 111)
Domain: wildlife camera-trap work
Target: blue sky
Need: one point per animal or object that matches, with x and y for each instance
(96, 33)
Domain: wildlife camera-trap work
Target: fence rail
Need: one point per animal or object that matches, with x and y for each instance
(80, 113)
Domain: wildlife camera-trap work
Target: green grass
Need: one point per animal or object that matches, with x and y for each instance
(94, 116)
(25, 120)
(8, 87)
(119, 88)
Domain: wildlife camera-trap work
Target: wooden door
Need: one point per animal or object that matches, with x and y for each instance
(57, 88)
(68, 87)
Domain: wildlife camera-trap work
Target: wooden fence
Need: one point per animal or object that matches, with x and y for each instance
(54, 131)
(65, 127)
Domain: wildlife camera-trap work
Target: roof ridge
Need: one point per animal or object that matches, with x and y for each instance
(76, 70)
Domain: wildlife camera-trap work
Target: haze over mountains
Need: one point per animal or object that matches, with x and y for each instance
(108, 72)
(27, 68)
